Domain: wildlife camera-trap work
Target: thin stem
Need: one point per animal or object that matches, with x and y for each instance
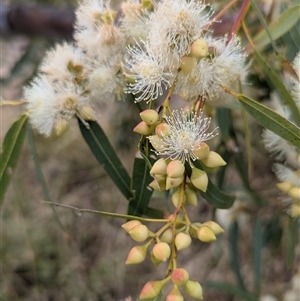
(225, 9)
(12, 103)
(243, 11)
(166, 103)
(116, 215)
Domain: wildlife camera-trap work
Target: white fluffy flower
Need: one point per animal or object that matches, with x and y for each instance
(175, 25)
(225, 66)
(185, 133)
(286, 174)
(134, 21)
(149, 73)
(49, 104)
(63, 62)
(95, 32)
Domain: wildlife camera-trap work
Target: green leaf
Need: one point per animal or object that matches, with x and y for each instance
(271, 120)
(264, 24)
(139, 185)
(292, 240)
(107, 157)
(278, 28)
(234, 254)
(154, 213)
(11, 150)
(258, 242)
(283, 92)
(232, 290)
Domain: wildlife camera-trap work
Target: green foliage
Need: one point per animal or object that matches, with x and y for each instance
(11, 149)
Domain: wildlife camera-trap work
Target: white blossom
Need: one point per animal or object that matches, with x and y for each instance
(225, 66)
(49, 103)
(286, 174)
(149, 73)
(186, 132)
(62, 62)
(175, 25)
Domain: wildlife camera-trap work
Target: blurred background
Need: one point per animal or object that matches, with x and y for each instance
(56, 255)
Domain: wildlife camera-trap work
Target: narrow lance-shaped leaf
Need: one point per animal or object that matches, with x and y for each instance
(278, 27)
(106, 155)
(11, 150)
(270, 119)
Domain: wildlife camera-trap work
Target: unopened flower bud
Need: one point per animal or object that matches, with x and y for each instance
(206, 234)
(137, 254)
(284, 186)
(139, 233)
(162, 251)
(149, 116)
(167, 236)
(162, 129)
(294, 193)
(199, 48)
(180, 276)
(191, 197)
(159, 183)
(61, 126)
(152, 289)
(295, 210)
(194, 289)
(187, 64)
(176, 198)
(154, 260)
(174, 295)
(201, 150)
(199, 179)
(159, 167)
(87, 113)
(194, 228)
(213, 160)
(173, 182)
(214, 226)
(129, 225)
(143, 128)
(156, 142)
(175, 169)
(182, 241)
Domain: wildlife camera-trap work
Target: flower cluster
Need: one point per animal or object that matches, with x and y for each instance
(148, 48)
(287, 168)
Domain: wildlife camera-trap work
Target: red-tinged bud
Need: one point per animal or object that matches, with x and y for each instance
(199, 48)
(175, 169)
(139, 233)
(213, 160)
(162, 251)
(162, 129)
(182, 241)
(137, 254)
(187, 64)
(167, 236)
(154, 260)
(199, 179)
(159, 183)
(214, 226)
(143, 128)
(180, 276)
(159, 167)
(201, 150)
(206, 234)
(174, 295)
(129, 225)
(194, 289)
(152, 289)
(173, 182)
(149, 116)
(191, 197)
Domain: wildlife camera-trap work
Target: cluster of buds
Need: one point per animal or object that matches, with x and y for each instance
(176, 232)
(180, 278)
